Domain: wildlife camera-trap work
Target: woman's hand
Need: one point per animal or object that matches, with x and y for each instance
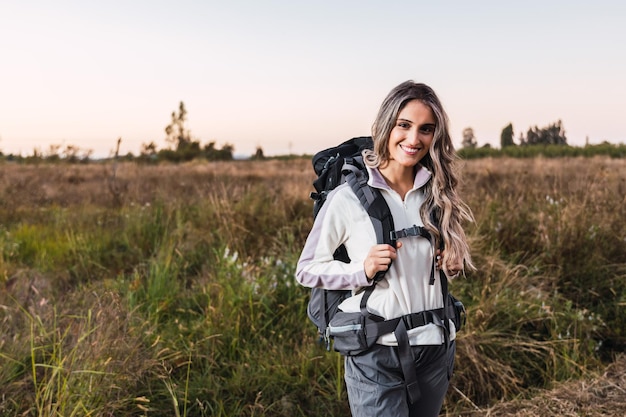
(379, 258)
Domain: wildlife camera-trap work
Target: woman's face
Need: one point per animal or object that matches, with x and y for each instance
(412, 134)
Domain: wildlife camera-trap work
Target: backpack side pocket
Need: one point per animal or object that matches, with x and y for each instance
(348, 333)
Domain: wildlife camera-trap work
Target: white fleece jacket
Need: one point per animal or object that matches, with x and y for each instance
(405, 288)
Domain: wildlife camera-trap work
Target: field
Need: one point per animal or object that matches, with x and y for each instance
(169, 290)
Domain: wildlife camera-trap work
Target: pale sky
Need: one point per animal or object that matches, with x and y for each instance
(298, 76)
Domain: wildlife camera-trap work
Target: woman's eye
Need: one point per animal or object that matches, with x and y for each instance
(427, 128)
(403, 125)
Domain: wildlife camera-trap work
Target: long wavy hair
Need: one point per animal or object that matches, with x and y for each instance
(443, 211)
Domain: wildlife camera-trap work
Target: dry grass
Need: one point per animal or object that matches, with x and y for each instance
(590, 179)
(545, 228)
(602, 396)
(73, 185)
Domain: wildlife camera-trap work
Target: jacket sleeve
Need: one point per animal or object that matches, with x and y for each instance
(331, 228)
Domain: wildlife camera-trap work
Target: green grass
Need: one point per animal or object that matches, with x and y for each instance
(188, 306)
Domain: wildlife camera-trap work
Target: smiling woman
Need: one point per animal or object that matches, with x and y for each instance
(408, 369)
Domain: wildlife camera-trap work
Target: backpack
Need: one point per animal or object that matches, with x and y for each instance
(333, 167)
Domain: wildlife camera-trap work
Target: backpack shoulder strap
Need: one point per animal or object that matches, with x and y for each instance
(374, 204)
(379, 213)
(448, 307)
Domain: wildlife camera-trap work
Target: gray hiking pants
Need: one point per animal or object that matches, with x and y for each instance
(375, 382)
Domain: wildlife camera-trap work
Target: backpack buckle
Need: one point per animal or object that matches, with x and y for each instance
(330, 160)
(409, 231)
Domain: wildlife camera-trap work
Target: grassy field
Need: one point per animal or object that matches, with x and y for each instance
(168, 290)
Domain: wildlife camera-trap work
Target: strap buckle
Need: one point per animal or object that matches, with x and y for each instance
(409, 231)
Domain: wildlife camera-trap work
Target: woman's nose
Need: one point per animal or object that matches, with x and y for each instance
(413, 136)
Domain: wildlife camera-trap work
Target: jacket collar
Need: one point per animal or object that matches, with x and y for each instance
(376, 180)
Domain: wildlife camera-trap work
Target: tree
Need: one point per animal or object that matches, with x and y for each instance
(522, 139)
(506, 137)
(469, 140)
(175, 131)
(148, 149)
(258, 154)
(556, 134)
(183, 146)
(185, 149)
(213, 154)
(553, 134)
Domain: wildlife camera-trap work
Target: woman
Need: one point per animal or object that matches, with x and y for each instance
(412, 165)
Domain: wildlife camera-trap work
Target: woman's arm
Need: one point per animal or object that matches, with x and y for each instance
(334, 226)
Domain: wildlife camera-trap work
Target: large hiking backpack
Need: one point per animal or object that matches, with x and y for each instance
(333, 167)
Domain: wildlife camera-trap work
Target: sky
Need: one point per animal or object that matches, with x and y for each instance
(299, 76)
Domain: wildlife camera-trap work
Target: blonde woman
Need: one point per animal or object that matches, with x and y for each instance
(412, 164)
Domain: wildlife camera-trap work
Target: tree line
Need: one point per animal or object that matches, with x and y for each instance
(180, 147)
(550, 141)
(553, 134)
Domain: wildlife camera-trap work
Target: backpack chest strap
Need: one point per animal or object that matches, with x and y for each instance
(410, 231)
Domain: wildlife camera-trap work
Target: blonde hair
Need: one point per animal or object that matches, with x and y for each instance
(443, 211)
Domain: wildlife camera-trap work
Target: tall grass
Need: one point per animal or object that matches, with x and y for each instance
(69, 363)
(566, 223)
(177, 296)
